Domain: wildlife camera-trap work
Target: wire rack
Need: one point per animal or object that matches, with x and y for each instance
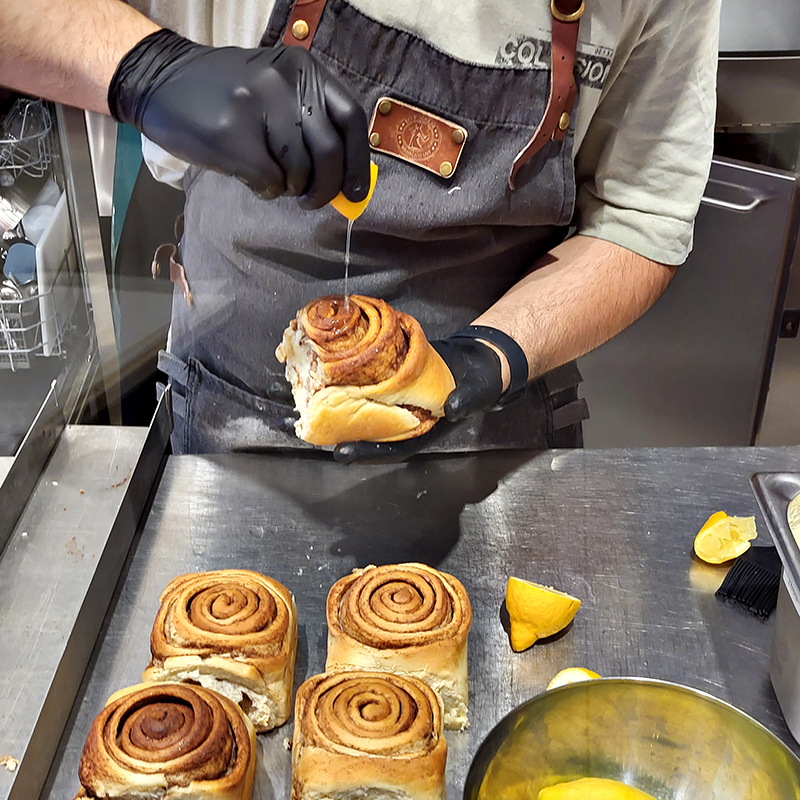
(25, 318)
(25, 142)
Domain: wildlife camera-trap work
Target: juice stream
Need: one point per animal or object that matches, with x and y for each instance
(347, 264)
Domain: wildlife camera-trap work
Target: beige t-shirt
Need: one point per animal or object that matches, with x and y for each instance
(645, 119)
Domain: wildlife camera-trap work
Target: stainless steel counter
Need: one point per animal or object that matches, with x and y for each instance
(614, 528)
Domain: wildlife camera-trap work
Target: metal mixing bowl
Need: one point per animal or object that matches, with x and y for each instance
(670, 741)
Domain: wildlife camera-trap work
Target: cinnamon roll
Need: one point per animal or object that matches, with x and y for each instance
(408, 619)
(234, 631)
(361, 371)
(169, 742)
(367, 734)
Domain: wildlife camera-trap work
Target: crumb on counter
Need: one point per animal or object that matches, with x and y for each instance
(9, 762)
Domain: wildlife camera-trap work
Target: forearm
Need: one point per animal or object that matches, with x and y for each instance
(67, 50)
(575, 298)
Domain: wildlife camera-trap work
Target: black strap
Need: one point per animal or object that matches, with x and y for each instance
(517, 360)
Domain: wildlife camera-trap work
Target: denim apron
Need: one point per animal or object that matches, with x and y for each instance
(441, 250)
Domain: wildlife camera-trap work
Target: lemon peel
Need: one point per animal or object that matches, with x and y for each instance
(354, 210)
(592, 789)
(536, 611)
(571, 675)
(723, 538)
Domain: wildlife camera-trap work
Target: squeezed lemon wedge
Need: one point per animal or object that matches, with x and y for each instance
(592, 789)
(723, 538)
(354, 210)
(571, 675)
(536, 611)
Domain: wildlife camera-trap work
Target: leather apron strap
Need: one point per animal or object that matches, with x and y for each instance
(563, 90)
(303, 22)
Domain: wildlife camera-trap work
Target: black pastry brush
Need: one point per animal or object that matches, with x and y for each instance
(753, 581)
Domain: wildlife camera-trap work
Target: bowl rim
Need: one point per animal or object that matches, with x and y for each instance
(630, 680)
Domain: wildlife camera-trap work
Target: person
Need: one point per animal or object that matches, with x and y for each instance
(262, 136)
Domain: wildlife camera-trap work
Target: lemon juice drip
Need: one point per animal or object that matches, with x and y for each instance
(347, 264)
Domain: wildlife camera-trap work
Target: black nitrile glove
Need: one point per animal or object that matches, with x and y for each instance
(271, 116)
(280, 392)
(479, 387)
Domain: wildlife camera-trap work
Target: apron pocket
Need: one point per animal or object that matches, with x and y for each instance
(220, 417)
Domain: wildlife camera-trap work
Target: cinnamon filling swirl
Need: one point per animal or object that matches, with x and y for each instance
(167, 735)
(217, 612)
(372, 713)
(400, 606)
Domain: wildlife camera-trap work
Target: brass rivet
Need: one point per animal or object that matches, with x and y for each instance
(375, 139)
(458, 136)
(445, 169)
(385, 106)
(300, 29)
(563, 123)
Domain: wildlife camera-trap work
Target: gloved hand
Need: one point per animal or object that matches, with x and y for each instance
(477, 372)
(271, 116)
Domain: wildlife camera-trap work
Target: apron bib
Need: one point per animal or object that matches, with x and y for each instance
(443, 251)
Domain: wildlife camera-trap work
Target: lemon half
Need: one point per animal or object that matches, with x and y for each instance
(723, 538)
(536, 611)
(571, 675)
(593, 789)
(354, 210)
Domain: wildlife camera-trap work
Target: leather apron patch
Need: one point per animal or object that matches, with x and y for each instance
(416, 136)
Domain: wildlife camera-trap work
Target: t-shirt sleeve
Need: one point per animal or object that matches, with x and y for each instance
(643, 164)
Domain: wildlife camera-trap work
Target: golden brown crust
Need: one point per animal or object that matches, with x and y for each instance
(409, 619)
(169, 740)
(367, 730)
(236, 625)
(379, 377)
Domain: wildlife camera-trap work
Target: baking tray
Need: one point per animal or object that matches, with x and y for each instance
(774, 492)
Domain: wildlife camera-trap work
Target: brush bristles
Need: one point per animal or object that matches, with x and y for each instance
(751, 586)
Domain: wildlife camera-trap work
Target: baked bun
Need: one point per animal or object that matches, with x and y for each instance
(408, 619)
(169, 742)
(367, 735)
(361, 371)
(233, 631)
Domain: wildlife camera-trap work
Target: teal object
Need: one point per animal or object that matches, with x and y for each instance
(127, 161)
(126, 169)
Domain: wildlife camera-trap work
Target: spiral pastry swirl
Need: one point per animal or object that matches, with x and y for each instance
(360, 340)
(212, 612)
(360, 730)
(163, 738)
(360, 370)
(409, 619)
(396, 606)
(234, 626)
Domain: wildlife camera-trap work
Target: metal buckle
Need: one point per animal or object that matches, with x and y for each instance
(573, 17)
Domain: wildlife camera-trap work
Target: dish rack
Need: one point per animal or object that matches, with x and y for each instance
(25, 145)
(23, 320)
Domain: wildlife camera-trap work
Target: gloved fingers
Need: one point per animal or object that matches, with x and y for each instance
(286, 424)
(351, 121)
(323, 142)
(380, 452)
(267, 185)
(477, 373)
(471, 397)
(280, 391)
(284, 141)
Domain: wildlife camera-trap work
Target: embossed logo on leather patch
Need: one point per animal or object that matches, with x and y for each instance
(416, 136)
